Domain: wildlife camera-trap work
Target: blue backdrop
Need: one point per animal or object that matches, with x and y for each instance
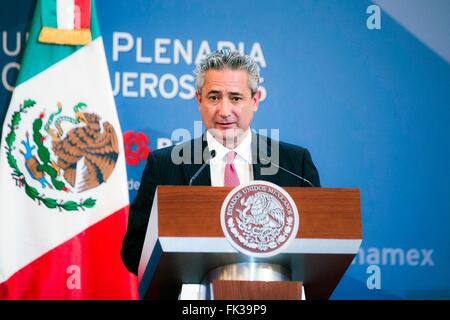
(367, 94)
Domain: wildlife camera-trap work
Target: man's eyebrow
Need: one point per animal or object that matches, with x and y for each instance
(213, 91)
(231, 93)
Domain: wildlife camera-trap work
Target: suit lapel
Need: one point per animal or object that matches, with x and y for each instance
(190, 169)
(204, 177)
(260, 150)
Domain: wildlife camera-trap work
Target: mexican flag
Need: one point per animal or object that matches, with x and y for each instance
(63, 187)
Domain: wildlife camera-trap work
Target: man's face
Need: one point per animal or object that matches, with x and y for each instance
(226, 105)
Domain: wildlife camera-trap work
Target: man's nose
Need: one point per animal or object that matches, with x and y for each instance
(225, 108)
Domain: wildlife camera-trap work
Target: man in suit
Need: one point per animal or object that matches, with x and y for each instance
(227, 154)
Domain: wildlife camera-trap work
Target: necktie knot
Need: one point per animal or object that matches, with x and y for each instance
(230, 157)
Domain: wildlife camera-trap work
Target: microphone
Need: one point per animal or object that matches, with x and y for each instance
(286, 170)
(212, 155)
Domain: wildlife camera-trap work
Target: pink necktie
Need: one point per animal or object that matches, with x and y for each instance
(231, 177)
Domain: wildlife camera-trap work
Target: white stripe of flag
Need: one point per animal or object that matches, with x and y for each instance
(65, 12)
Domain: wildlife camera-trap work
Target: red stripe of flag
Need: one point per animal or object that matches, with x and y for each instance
(95, 252)
(82, 14)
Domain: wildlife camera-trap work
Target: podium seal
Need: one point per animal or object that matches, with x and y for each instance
(259, 218)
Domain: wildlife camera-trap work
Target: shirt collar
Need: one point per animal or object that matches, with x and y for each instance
(243, 150)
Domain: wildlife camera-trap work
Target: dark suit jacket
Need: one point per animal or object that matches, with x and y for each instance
(160, 170)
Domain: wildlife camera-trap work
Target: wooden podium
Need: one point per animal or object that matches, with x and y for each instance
(185, 241)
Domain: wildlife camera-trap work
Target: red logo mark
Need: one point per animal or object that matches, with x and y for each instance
(136, 147)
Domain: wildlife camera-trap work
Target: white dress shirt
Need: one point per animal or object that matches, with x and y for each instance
(242, 161)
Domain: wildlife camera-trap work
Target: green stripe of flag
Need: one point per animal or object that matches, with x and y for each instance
(49, 13)
(39, 56)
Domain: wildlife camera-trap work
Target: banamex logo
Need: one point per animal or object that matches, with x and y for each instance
(259, 219)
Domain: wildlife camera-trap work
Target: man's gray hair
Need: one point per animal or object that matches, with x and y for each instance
(226, 59)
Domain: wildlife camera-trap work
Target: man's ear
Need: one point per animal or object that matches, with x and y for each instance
(198, 97)
(255, 100)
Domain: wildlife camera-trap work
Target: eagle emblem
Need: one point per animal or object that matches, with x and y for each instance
(93, 145)
(63, 152)
(259, 218)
